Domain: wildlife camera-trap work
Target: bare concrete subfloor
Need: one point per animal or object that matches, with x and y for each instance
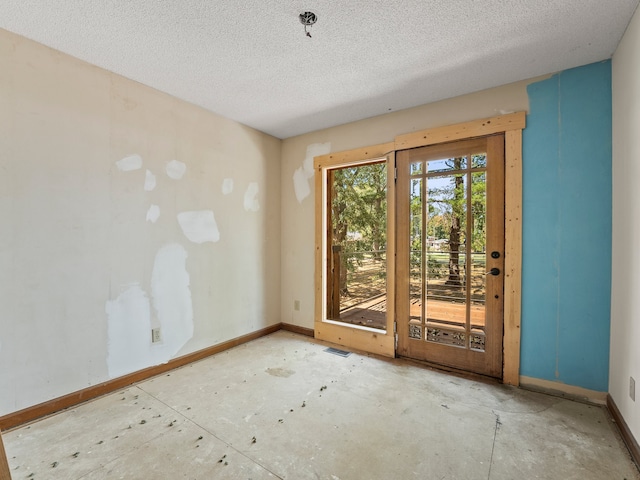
(282, 407)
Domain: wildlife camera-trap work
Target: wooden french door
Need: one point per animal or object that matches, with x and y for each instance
(450, 254)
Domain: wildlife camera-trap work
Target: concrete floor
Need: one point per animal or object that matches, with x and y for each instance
(281, 407)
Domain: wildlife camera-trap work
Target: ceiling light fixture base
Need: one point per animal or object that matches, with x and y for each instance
(307, 19)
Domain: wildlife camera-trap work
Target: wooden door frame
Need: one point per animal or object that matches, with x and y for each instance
(383, 342)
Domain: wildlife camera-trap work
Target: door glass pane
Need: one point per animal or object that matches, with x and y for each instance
(447, 164)
(416, 257)
(356, 253)
(446, 311)
(478, 257)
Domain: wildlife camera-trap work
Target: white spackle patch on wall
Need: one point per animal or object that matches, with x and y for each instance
(129, 316)
(251, 203)
(153, 213)
(176, 169)
(129, 163)
(302, 174)
(227, 186)
(149, 181)
(128, 328)
(199, 226)
(171, 297)
(314, 150)
(301, 185)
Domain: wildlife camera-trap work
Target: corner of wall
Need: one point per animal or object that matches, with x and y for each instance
(625, 302)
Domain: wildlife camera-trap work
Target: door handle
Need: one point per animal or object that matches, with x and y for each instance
(494, 271)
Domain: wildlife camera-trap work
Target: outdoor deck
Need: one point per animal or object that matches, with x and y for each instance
(365, 303)
(373, 313)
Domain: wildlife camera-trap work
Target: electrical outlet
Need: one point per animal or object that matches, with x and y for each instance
(632, 388)
(296, 305)
(155, 335)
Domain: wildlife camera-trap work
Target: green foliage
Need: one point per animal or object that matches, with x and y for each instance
(358, 215)
(449, 197)
(448, 206)
(359, 207)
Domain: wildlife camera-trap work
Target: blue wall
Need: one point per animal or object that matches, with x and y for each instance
(567, 228)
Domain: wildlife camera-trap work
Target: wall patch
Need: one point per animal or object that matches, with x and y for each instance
(153, 213)
(130, 320)
(227, 186)
(314, 150)
(199, 226)
(303, 174)
(129, 163)
(301, 185)
(176, 169)
(149, 181)
(251, 203)
(171, 298)
(129, 324)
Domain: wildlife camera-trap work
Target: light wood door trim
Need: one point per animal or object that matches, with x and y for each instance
(391, 248)
(512, 126)
(379, 343)
(353, 156)
(461, 131)
(512, 256)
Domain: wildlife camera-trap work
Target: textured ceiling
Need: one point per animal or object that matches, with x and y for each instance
(251, 61)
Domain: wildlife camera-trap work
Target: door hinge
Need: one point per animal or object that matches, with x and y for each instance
(395, 174)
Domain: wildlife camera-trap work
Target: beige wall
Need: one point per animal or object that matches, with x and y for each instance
(625, 288)
(298, 216)
(84, 275)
